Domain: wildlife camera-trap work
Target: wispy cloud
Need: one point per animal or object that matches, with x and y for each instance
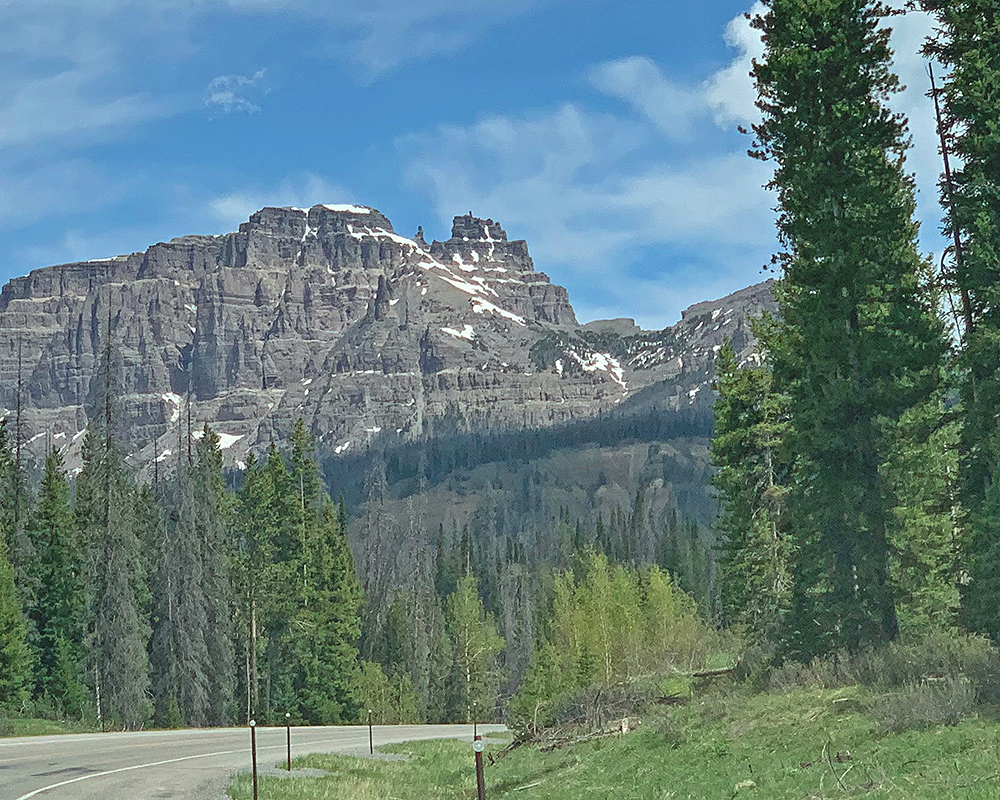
(640, 83)
(233, 92)
(599, 195)
(75, 73)
(730, 91)
(378, 36)
(59, 188)
(603, 196)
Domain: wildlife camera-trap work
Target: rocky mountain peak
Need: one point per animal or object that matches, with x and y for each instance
(470, 228)
(325, 314)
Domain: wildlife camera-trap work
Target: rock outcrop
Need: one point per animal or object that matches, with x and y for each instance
(326, 314)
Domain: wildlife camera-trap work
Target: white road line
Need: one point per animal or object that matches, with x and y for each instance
(157, 764)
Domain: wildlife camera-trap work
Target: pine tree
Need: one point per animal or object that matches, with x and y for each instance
(117, 612)
(324, 628)
(284, 544)
(968, 43)
(213, 522)
(15, 658)
(748, 441)
(327, 626)
(858, 343)
(15, 511)
(161, 543)
(298, 595)
(255, 574)
(58, 612)
(190, 615)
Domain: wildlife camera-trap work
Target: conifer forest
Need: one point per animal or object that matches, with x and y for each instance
(854, 472)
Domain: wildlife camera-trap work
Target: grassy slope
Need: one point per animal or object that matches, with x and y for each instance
(21, 726)
(765, 746)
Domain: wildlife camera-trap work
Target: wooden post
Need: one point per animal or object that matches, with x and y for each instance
(253, 755)
(478, 746)
(288, 738)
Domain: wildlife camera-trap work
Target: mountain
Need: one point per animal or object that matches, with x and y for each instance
(328, 314)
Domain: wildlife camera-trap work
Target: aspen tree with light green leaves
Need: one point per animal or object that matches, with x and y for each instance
(475, 648)
(610, 625)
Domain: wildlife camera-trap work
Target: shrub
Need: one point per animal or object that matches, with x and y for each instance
(906, 663)
(944, 701)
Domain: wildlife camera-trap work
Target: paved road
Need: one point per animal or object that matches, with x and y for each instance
(180, 765)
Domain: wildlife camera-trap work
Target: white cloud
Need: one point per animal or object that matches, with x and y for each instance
(639, 82)
(232, 92)
(69, 98)
(597, 194)
(567, 181)
(229, 210)
(73, 72)
(730, 91)
(184, 213)
(379, 35)
(602, 195)
(374, 37)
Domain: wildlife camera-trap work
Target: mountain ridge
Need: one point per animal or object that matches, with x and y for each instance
(328, 314)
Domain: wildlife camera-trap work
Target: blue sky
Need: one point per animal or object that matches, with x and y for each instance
(602, 132)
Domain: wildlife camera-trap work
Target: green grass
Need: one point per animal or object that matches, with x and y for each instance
(770, 747)
(23, 726)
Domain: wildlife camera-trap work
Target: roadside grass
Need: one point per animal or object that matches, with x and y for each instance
(26, 726)
(434, 769)
(805, 744)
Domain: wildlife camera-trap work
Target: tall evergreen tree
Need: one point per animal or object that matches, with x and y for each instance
(254, 574)
(15, 519)
(190, 616)
(748, 442)
(968, 43)
(161, 543)
(213, 520)
(15, 658)
(58, 612)
(117, 610)
(858, 343)
(327, 625)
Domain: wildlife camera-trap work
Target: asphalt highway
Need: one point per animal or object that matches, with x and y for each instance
(187, 764)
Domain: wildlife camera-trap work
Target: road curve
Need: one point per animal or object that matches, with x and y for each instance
(179, 765)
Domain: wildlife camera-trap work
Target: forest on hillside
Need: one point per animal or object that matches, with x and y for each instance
(200, 600)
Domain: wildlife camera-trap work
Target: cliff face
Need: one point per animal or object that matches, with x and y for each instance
(327, 314)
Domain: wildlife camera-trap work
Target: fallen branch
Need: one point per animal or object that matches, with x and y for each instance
(555, 744)
(712, 673)
(829, 760)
